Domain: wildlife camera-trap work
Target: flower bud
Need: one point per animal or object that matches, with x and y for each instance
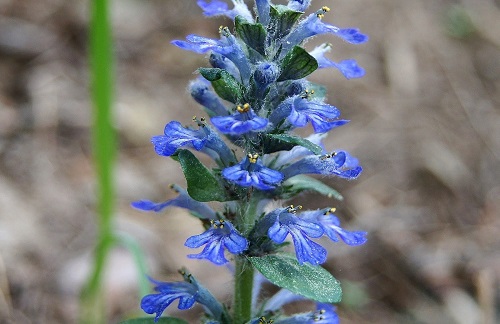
(266, 73)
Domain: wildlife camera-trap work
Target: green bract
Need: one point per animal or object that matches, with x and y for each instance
(202, 185)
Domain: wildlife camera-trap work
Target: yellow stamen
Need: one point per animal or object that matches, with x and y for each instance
(253, 157)
(325, 9)
(244, 109)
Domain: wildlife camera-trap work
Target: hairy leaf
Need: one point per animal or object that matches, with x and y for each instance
(202, 185)
(297, 64)
(224, 84)
(313, 282)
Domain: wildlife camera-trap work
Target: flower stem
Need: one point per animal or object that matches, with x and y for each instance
(243, 291)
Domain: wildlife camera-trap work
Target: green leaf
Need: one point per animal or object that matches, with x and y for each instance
(150, 320)
(285, 142)
(202, 185)
(224, 84)
(254, 35)
(307, 280)
(283, 19)
(302, 182)
(297, 64)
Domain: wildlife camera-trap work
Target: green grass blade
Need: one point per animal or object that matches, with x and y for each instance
(135, 250)
(103, 148)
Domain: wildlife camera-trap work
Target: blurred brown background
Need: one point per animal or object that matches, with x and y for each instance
(425, 125)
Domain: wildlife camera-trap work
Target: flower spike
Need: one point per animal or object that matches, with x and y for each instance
(256, 95)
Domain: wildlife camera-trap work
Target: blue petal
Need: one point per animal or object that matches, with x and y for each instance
(235, 243)
(326, 126)
(162, 146)
(350, 69)
(213, 252)
(332, 228)
(216, 238)
(167, 293)
(176, 136)
(201, 92)
(259, 177)
(196, 241)
(325, 165)
(313, 25)
(223, 62)
(263, 9)
(309, 228)
(277, 232)
(352, 35)
(217, 8)
(322, 116)
(239, 123)
(183, 200)
(149, 205)
(214, 8)
(235, 174)
(299, 5)
(201, 45)
(306, 250)
(270, 176)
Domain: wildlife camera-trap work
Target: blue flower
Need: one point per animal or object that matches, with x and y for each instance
(201, 45)
(340, 164)
(286, 222)
(227, 46)
(201, 92)
(299, 5)
(176, 136)
(219, 236)
(201, 210)
(263, 9)
(250, 172)
(188, 292)
(299, 110)
(349, 68)
(313, 25)
(222, 62)
(266, 73)
(325, 314)
(288, 157)
(203, 139)
(331, 226)
(167, 293)
(243, 121)
(219, 8)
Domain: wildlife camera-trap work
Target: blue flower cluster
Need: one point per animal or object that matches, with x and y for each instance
(256, 94)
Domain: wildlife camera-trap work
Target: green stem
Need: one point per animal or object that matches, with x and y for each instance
(243, 291)
(244, 271)
(103, 148)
